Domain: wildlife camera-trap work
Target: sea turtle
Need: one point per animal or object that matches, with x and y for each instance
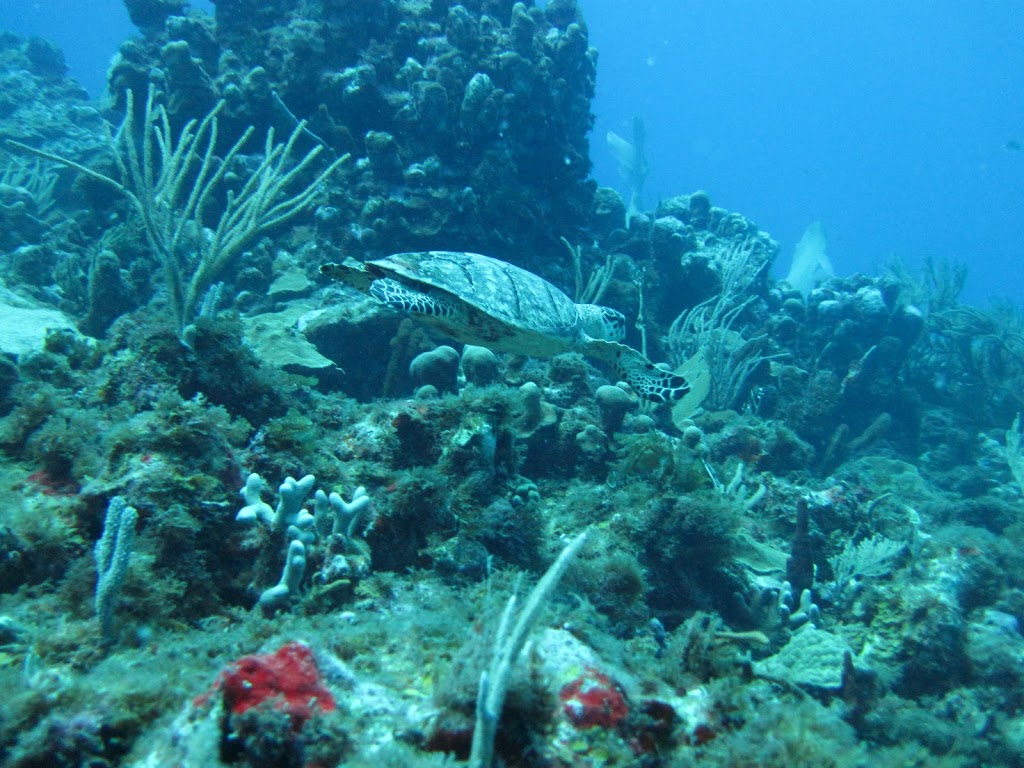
(481, 300)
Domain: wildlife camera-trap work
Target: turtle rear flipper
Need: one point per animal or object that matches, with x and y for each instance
(350, 272)
(647, 380)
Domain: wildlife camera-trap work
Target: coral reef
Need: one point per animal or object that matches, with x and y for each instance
(815, 560)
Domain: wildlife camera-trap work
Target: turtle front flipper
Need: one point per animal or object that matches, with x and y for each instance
(647, 380)
(399, 296)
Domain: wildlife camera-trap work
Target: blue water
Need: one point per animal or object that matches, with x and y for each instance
(888, 122)
(88, 31)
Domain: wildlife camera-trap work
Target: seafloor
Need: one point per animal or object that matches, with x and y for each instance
(813, 558)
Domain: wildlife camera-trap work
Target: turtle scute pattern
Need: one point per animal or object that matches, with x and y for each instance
(507, 292)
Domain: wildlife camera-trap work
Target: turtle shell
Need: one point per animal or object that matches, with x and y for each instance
(517, 298)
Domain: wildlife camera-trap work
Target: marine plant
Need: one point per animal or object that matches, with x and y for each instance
(514, 629)
(867, 559)
(173, 180)
(35, 180)
(113, 554)
(718, 326)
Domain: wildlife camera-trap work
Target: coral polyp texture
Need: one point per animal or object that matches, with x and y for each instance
(542, 480)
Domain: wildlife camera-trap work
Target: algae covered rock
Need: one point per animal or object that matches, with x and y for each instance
(24, 325)
(277, 341)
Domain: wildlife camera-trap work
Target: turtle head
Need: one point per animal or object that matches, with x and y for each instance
(602, 323)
